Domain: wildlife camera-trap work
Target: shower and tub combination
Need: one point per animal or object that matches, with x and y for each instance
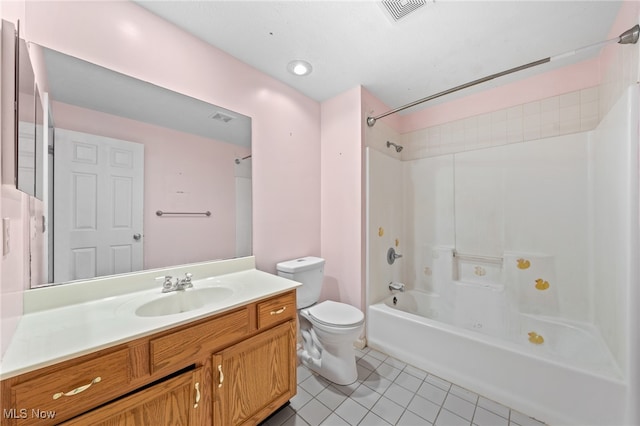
(471, 334)
(517, 268)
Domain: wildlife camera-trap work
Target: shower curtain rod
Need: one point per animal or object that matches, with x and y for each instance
(628, 37)
(238, 160)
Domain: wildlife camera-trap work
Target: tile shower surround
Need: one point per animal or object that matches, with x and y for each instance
(571, 112)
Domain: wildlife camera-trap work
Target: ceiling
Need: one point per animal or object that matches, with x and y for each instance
(86, 85)
(441, 45)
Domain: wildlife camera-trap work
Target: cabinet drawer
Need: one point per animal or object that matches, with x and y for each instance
(277, 309)
(73, 389)
(175, 401)
(181, 348)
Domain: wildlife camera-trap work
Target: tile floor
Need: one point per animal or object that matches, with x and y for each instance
(390, 392)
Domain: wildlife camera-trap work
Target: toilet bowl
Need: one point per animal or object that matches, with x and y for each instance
(328, 329)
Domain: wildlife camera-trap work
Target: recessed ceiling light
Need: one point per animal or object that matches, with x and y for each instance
(299, 67)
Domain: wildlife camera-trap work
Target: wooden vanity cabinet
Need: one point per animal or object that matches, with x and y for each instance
(233, 368)
(254, 377)
(70, 389)
(175, 401)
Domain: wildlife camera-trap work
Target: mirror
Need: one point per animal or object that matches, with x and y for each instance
(29, 115)
(141, 177)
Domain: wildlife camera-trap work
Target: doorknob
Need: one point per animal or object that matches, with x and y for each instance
(137, 237)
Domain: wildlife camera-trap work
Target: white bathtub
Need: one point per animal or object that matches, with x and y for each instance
(567, 380)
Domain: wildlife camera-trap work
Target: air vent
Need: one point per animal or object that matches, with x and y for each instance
(221, 117)
(398, 9)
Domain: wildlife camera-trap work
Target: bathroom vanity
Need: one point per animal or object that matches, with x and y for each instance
(232, 362)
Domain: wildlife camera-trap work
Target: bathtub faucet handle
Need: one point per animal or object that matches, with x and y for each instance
(392, 256)
(395, 286)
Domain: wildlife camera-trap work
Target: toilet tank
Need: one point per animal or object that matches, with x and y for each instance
(306, 270)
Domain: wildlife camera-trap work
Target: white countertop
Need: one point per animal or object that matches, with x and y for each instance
(48, 336)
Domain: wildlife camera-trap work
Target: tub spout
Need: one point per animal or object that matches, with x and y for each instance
(395, 286)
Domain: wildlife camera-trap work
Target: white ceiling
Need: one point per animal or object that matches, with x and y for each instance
(441, 45)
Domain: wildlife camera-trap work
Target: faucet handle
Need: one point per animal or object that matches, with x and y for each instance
(167, 284)
(186, 282)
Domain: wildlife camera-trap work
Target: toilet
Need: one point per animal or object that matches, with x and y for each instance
(328, 329)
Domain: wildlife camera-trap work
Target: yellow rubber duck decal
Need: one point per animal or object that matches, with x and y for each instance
(535, 338)
(523, 263)
(542, 284)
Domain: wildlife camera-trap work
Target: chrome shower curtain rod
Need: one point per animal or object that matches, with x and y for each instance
(628, 37)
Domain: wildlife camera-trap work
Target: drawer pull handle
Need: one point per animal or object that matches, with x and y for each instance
(279, 311)
(77, 390)
(197, 395)
(221, 375)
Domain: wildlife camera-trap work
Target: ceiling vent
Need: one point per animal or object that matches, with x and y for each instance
(221, 117)
(398, 9)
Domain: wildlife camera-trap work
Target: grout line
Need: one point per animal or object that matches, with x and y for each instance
(475, 409)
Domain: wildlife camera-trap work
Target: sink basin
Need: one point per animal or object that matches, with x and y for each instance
(178, 302)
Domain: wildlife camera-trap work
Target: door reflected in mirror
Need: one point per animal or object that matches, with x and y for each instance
(124, 149)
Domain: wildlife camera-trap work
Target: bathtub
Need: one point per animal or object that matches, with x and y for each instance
(570, 379)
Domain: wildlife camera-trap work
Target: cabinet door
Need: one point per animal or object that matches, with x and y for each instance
(255, 377)
(175, 402)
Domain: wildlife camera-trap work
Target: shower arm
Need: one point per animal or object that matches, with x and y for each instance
(628, 37)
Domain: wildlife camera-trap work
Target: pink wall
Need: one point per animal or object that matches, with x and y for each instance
(286, 125)
(285, 129)
(567, 79)
(308, 158)
(202, 169)
(342, 215)
(342, 174)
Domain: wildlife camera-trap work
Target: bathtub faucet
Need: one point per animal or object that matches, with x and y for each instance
(392, 256)
(395, 286)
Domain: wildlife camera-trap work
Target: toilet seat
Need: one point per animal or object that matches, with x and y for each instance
(335, 314)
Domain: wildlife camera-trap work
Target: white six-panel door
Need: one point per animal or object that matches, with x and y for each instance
(98, 206)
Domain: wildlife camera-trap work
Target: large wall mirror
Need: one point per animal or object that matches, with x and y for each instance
(139, 177)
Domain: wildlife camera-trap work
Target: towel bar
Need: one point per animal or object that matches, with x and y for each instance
(161, 213)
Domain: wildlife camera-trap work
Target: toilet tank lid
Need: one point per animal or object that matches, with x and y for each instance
(300, 264)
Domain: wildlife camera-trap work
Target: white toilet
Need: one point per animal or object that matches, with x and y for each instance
(328, 328)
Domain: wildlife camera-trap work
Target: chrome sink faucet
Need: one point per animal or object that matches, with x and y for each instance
(179, 285)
